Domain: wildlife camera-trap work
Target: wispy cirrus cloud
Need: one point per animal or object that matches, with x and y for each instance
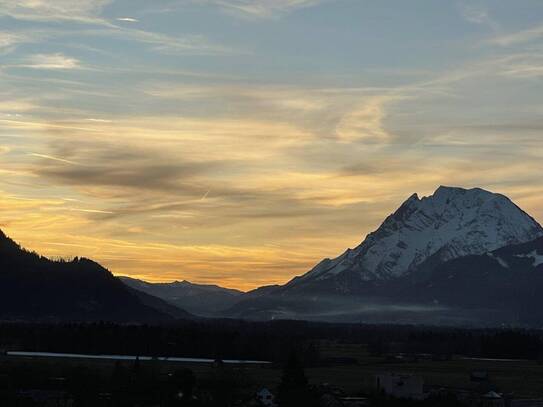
(51, 61)
(85, 11)
(90, 12)
(518, 37)
(348, 114)
(180, 45)
(261, 8)
(126, 142)
(367, 121)
(16, 106)
(170, 44)
(8, 40)
(11, 40)
(477, 14)
(266, 97)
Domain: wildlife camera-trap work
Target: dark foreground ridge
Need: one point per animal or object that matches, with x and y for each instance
(34, 288)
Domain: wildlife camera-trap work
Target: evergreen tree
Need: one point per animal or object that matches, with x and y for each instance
(294, 390)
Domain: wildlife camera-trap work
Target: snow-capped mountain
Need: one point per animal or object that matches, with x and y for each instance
(457, 257)
(498, 288)
(451, 223)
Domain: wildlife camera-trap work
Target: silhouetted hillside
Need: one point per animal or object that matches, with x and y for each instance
(33, 287)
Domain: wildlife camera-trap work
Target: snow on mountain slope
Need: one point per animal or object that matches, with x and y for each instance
(537, 259)
(451, 223)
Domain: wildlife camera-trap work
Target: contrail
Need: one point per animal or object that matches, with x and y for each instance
(50, 157)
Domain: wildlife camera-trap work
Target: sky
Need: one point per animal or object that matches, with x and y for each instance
(239, 142)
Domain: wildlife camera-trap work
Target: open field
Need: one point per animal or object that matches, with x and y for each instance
(355, 375)
(524, 378)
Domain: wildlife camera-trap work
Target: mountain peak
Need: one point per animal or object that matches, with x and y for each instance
(451, 223)
(444, 194)
(413, 198)
(451, 190)
(448, 189)
(447, 192)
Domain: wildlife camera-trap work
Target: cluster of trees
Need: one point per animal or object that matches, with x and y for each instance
(191, 338)
(506, 343)
(270, 341)
(125, 384)
(34, 288)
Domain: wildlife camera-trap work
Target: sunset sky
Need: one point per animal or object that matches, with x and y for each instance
(239, 142)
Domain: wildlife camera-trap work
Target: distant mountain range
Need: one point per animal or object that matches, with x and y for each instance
(34, 288)
(198, 299)
(457, 257)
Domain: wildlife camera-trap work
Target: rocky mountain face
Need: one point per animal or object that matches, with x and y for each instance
(438, 259)
(198, 299)
(34, 288)
(451, 223)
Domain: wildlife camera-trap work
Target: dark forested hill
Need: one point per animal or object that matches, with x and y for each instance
(33, 287)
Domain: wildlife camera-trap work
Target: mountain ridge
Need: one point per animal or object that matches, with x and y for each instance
(412, 269)
(451, 223)
(35, 288)
(199, 299)
(448, 227)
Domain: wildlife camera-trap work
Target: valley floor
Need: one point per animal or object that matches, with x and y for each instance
(348, 367)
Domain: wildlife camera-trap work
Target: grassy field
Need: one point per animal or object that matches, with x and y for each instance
(524, 378)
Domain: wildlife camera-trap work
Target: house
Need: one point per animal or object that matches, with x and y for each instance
(404, 386)
(491, 399)
(464, 395)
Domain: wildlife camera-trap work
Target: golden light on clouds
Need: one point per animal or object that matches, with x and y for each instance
(245, 153)
(366, 121)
